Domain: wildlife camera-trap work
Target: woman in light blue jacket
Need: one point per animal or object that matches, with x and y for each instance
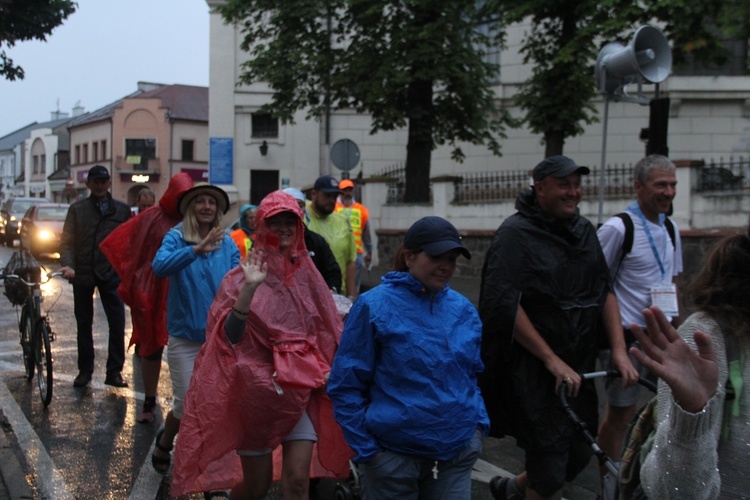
(195, 255)
(404, 380)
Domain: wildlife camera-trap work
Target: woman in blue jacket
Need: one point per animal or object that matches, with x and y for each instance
(195, 255)
(404, 380)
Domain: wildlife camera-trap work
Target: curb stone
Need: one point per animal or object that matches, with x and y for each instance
(13, 484)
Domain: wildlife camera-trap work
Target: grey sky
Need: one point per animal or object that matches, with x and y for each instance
(101, 52)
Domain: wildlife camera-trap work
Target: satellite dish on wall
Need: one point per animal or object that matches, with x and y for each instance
(646, 58)
(345, 155)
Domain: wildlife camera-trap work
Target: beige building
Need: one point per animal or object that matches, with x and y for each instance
(143, 139)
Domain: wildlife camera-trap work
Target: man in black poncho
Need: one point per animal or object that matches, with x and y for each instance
(545, 296)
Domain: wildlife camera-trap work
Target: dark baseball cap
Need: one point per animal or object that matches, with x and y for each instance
(327, 184)
(98, 172)
(435, 236)
(558, 166)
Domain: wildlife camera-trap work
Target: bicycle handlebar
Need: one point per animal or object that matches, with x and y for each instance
(614, 374)
(31, 284)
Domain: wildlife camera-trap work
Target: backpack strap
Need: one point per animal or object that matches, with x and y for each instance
(627, 243)
(670, 230)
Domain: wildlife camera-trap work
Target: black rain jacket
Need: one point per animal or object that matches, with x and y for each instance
(85, 227)
(557, 272)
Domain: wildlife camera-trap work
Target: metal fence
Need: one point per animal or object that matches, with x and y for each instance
(730, 175)
(397, 186)
(493, 187)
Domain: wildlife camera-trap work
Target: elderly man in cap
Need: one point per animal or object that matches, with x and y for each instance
(88, 222)
(335, 229)
(545, 296)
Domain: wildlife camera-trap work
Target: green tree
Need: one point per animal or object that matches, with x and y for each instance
(415, 63)
(565, 36)
(23, 20)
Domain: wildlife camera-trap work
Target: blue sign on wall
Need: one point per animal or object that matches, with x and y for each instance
(221, 158)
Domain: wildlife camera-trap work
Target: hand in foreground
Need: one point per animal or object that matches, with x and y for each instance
(254, 268)
(68, 272)
(564, 373)
(621, 362)
(692, 375)
(211, 242)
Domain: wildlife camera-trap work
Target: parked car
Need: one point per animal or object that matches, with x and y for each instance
(41, 228)
(11, 214)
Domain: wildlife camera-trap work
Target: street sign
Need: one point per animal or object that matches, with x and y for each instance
(345, 155)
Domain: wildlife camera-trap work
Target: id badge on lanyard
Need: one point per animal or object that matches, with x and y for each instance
(664, 297)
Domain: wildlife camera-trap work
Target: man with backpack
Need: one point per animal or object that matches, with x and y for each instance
(644, 254)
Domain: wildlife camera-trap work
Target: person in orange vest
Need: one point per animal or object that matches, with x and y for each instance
(244, 235)
(359, 219)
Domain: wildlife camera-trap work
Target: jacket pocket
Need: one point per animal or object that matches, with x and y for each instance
(297, 364)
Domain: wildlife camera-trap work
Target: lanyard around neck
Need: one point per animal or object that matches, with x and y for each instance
(637, 210)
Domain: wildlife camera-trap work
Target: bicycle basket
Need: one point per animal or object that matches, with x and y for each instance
(24, 265)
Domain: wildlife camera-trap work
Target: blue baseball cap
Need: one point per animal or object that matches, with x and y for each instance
(435, 236)
(327, 184)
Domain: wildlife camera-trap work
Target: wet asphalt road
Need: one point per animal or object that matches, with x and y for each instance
(87, 443)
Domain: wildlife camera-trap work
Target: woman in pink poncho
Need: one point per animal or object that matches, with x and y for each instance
(259, 379)
(130, 249)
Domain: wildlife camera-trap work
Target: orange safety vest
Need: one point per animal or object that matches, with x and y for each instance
(358, 215)
(243, 242)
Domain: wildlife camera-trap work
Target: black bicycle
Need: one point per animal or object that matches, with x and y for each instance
(25, 289)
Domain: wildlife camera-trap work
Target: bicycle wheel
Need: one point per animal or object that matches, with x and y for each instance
(26, 328)
(43, 361)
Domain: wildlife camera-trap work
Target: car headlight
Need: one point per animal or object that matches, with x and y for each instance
(45, 234)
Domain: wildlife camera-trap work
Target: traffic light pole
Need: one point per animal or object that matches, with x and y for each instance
(658, 126)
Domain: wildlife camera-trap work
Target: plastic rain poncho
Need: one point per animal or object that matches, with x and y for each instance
(234, 402)
(130, 249)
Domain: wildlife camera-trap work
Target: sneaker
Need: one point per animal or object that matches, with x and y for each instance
(83, 379)
(499, 489)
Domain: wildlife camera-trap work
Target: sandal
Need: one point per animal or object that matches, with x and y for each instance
(149, 410)
(161, 465)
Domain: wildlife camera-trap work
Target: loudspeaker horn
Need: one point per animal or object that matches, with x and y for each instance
(647, 57)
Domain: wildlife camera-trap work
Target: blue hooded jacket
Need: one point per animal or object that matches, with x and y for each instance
(405, 375)
(193, 281)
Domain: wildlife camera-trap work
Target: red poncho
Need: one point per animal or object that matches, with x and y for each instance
(233, 403)
(130, 249)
